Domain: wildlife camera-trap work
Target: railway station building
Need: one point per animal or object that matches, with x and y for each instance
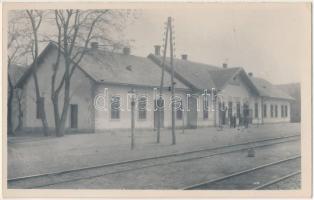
(105, 83)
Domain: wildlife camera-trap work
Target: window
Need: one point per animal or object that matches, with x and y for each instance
(276, 111)
(179, 108)
(142, 108)
(286, 111)
(265, 110)
(115, 107)
(271, 111)
(256, 110)
(40, 104)
(238, 109)
(282, 111)
(205, 108)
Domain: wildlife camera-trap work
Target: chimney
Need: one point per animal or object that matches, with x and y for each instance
(94, 45)
(250, 74)
(224, 65)
(126, 50)
(157, 50)
(184, 56)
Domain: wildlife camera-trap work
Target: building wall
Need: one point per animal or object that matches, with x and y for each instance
(279, 103)
(84, 91)
(237, 91)
(256, 119)
(293, 90)
(201, 121)
(103, 120)
(80, 93)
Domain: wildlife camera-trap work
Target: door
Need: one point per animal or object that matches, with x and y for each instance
(230, 111)
(220, 114)
(74, 115)
(160, 103)
(247, 114)
(223, 114)
(245, 110)
(192, 113)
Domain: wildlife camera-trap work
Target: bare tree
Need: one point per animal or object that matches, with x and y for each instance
(17, 47)
(76, 28)
(36, 18)
(19, 98)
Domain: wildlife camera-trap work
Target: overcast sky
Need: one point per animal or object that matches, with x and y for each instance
(270, 41)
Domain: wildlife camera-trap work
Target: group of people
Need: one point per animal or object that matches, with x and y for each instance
(234, 120)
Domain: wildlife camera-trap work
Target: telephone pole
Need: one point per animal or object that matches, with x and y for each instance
(160, 99)
(169, 32)
(132, 118)
(173, 116)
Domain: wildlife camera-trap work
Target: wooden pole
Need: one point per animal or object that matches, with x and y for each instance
(182, 119)
(172, 85)
(132, 122)
(162, 84)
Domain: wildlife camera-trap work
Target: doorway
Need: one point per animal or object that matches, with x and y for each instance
(160, 103)
(74, 115)
(192, 112)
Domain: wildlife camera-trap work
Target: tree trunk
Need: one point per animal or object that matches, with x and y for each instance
(9, 116)
(66, 100)
(42, 106)
(60, 128)
(55, 103)
(59, 124)
(35, 26)
(20, 117)
(44, 122)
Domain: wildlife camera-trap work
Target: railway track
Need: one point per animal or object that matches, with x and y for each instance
(248, 179)
(47, 179)
(278, 180)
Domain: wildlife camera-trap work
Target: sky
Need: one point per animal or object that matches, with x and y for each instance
(271, 41)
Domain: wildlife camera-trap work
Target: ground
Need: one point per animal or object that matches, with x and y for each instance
(35, 155)
(182, 174)
(290, 183)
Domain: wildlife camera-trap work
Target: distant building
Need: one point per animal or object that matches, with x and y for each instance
(240, 93)
(107, 79)
(294, 90)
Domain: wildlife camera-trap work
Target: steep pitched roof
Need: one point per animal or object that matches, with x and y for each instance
(16, 72)
(267, 89)
(115, 68)
(196, 75)
(221, 76)
(202, 76)
(30, 68)
(105, 66)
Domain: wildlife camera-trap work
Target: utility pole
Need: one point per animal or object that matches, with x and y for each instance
(132, 117)
(172, 85)
(160, 99)
(169, 32)
(214, 105)
(182, 121)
